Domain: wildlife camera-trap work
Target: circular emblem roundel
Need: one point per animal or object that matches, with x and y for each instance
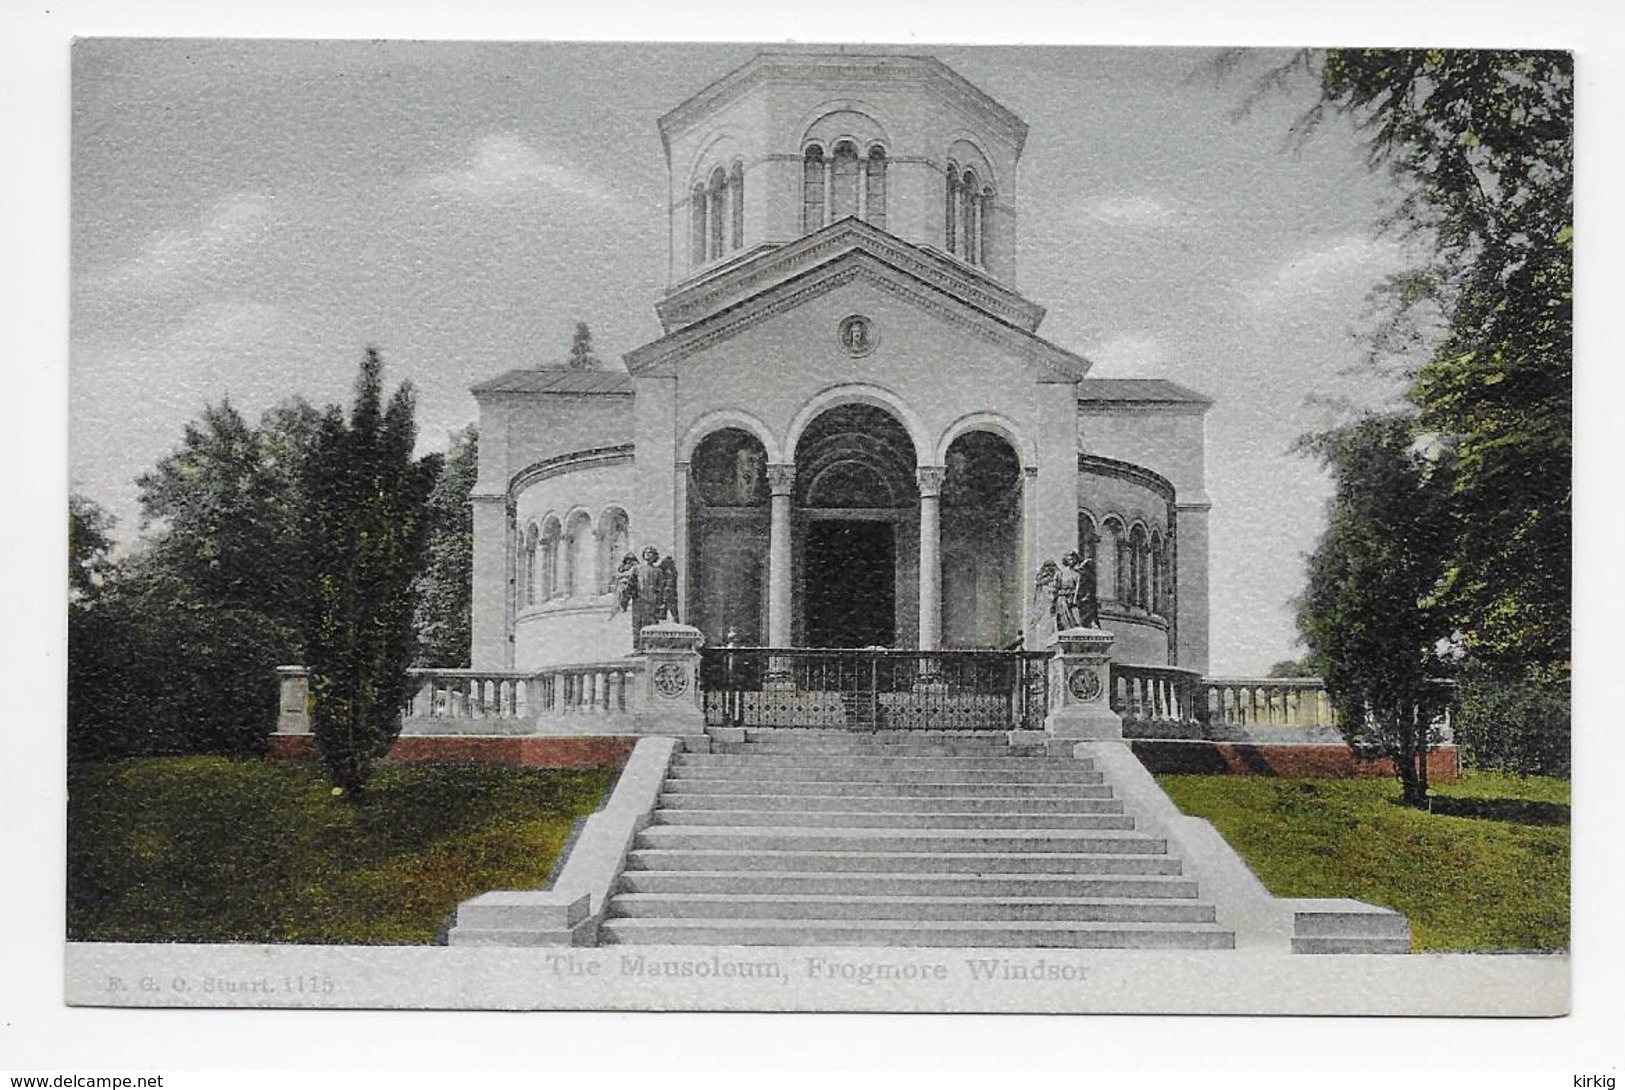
(857, 335)
(671, 680)
(1084, 684)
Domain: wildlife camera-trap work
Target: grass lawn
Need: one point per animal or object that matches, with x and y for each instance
(211, 849)
(1487, 870)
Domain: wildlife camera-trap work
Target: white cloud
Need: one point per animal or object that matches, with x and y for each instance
(1123, 210)
(1355, 261)
(1128, 355)
(170, 259)
(503, 165)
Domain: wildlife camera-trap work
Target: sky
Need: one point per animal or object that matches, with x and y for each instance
(248, 216)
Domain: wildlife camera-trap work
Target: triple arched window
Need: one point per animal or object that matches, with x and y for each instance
(968, 214)
(842, 182)
(571, 558)
(1133, 567)
(717, 214)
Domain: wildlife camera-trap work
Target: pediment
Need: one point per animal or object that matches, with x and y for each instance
(730, 285)
(858, 261)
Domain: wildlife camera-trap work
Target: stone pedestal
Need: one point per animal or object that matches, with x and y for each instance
(1079, 676)
(293, 710)
(669, 700)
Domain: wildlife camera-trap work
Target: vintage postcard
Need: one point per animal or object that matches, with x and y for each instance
(637, 526)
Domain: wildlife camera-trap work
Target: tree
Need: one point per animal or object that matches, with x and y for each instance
(90, 545)
(366, 524)
(445, 593)
(1370, 614)
(1304, 666)
(1482, 143)
(225, 508)
(581, 357)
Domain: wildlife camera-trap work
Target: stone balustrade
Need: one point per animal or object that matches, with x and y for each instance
(1268, 702)
(1157, 701)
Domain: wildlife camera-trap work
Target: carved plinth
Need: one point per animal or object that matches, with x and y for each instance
(1079, 676)
(669, 698)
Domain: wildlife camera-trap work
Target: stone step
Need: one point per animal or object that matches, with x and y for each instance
(1160, 886)
(863, 761)
(818, 735)
(813, 773)
(858, 749)
(846, 818)
(785, 838)
(819, 907)
(779, 860)
(972, 933)
(885, 788)
(929, 804)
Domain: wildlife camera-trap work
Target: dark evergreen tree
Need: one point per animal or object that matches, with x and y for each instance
(366, 525)
(581, 357)
(445, 599)
(1370, 615)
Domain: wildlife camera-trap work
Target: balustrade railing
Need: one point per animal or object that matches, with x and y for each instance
(586, 689)
(874, 689)
(1147, 696)
(1268, 702)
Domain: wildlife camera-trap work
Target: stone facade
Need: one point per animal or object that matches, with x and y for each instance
(850, 432)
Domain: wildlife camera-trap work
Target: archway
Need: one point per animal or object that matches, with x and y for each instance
(981, 543)
(856, 531)
(728, 537)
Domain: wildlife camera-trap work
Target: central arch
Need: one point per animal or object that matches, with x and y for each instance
(855, 529)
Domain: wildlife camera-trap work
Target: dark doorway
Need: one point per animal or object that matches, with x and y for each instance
(851, 584)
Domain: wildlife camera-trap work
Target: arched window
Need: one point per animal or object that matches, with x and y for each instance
(527, 564)
(736, 203)
(812, 189)
(614, 541)
(548, 577)
(1110, 560)
(1139, 577)
(844, 182)
(951, 210)
(875, 187)
(984, 225)
(1159, 575)
(716, 200)
(969, 212)
(696, 221)
(578, 556)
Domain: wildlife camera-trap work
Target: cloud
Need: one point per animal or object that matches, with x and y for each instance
(502, 165)
(172, 259)
(1128, 355)
(1124, 210)
(1351, 261)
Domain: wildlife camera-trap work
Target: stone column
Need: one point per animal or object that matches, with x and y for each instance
(679, 535)
(1031, 612)
(781, 478)
(829, 190)
(863, 189)
(931, 479)
(1079, 680)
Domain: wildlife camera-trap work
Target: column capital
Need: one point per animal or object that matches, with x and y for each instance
(781, 478)
(931, 479)
(1030, 473)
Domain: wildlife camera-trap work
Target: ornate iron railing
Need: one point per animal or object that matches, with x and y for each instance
(874, 689)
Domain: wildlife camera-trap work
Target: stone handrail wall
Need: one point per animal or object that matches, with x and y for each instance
(1157, 696)
(1268, 702)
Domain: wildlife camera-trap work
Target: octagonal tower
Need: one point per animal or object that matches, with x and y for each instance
(790, 142)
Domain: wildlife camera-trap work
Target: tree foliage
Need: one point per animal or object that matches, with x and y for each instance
(90, 545)
(1370, 613)
(445, 592)
(581, 357)
(366, 524)
(1484, 140)
(1482, 145)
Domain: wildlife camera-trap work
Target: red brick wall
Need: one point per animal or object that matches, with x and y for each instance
(1290, 761)
(529, 752)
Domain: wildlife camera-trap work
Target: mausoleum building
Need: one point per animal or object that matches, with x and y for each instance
(851, 432)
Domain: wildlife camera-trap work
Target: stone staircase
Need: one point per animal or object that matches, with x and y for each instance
(899, 838)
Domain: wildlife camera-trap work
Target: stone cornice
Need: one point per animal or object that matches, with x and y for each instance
(851, 69)
(1127, 471)
(1055, 364)
(572, 462)
(1184, 408)
(739, 281)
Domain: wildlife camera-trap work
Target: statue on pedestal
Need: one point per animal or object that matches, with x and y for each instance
(1069, 589)
(649, 588)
